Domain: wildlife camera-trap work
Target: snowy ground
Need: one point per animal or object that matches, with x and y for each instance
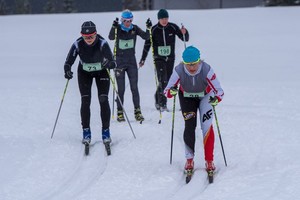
(254, 52)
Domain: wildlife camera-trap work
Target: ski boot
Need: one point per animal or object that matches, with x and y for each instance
(138, 115)
(164, 108)
(106, 140)
(86, 136)
(210, 168)
(189, 169)
(86, 140)
(120, 117)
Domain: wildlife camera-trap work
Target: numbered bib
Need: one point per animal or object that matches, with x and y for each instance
(126, 44)
(164, 50)
(91, 67)
(193, 94)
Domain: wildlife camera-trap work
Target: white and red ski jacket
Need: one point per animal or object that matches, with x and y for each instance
(204, 80)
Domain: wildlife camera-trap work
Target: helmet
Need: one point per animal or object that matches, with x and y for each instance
(127, 14)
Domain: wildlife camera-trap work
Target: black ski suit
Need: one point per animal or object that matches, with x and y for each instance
(163, 38)
(92, 59)
(126, 61)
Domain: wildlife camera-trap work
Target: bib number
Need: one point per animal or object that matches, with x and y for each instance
(193, 94)
(164, 50)
(126, 44)
(91, 67)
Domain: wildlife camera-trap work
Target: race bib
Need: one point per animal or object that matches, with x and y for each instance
(126, 44)
(193, 94)
(164, 50)
(91, 67)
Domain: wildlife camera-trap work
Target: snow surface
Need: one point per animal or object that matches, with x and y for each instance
(255, 53)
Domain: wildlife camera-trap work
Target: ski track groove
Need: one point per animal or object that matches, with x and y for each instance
(70, 188)
(182, 188)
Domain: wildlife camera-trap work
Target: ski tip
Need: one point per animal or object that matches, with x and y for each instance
(188, 179)
(210, 175)
(86, 149)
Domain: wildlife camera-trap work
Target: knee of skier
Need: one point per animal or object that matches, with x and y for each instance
(85, 100)
(103, 98)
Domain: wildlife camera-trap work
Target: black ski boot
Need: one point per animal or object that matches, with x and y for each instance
(120, 116)
(138, 115)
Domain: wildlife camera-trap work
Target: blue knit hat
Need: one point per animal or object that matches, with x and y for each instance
(191, 54)
(162, 13)
(127, 14)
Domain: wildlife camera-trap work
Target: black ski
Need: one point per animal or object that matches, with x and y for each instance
(86, 148)
(189, 174)
(210, 176)
(107, 148)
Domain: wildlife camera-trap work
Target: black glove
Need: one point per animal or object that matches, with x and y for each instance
(110, 65)
(68, 74)
(148, 23)
(116, 23)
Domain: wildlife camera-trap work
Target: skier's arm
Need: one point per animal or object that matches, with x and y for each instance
(111, 34)
(146, 48)
(214, 85)
(180, 35)
(173, 82)
(142, 34)
(108, 60)
(71, 57)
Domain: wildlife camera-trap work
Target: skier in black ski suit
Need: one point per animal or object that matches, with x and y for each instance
(95, 58)
(163, 40)
(125, 35)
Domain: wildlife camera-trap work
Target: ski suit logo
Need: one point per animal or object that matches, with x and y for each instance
(188, 115)
(207, 115)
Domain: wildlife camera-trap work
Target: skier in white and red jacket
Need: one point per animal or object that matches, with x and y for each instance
(199, 89)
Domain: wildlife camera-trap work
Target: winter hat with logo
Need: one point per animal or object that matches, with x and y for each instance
(162, 13)
(88, 28)
(127, 14)
(191, 55)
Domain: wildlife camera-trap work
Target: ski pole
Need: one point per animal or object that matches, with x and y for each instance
(219, 135)
(155, 74)
(62, 100)
(184, 41)
(115, 57)
(172, 133)
(114, 86)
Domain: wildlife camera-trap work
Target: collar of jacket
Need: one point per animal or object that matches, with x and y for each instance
(125, 28)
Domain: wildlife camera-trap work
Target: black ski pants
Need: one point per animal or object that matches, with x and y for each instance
(85, 80)
(132, 73)
(164, 69)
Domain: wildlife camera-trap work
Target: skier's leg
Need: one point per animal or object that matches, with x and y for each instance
(103, 84)
(206, 119)
(85, 83)
(132, 72)
(120, 77)
(189, 108)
